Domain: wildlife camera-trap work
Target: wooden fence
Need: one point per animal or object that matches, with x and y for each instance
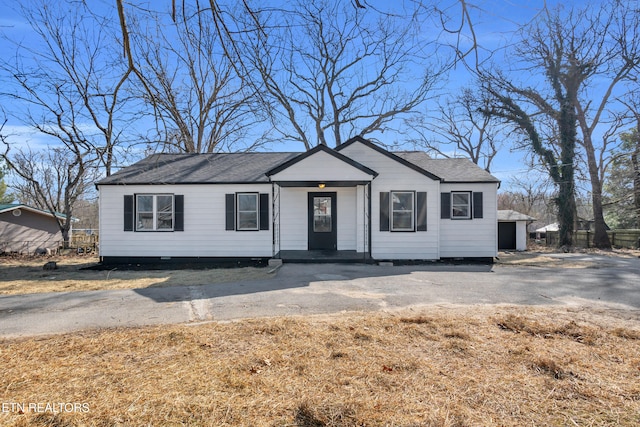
(85, 241)
(584, 239)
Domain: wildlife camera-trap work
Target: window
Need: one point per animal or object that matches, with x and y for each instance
(461, 205)
(247, 211)
(402, 215)
(154, 212)
(322, 214)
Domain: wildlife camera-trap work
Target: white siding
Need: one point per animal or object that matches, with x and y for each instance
(204, 232)
(321, 166)
(393, 176)
(294, 217)
(477, 237)
(521, 235)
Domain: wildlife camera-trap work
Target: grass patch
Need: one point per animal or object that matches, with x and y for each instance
(459, 368)
(24, 275)
(517, 324)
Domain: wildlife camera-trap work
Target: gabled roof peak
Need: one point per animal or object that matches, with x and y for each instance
(324, 149)
(389, 154)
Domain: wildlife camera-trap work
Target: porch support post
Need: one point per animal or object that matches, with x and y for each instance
(369, 217)
(273, 219)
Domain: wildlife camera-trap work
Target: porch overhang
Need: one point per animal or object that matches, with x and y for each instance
(320, 184)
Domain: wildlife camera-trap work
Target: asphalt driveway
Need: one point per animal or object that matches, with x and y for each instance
(303, 289)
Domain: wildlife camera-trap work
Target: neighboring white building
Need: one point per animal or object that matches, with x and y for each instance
(357, 202)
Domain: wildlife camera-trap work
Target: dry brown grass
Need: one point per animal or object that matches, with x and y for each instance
(472, 366)
(540, 256)
(24, 275)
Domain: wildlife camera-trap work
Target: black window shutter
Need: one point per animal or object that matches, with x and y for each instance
(230, 210)
(384, 211)
(445, 205)
(421, 211)
(264, 211)
(477, 205)
(178, 206)
(128, 213)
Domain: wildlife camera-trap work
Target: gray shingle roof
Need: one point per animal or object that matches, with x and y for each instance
(229, 168)
(509, 215)
(450, 170)
(199, 168)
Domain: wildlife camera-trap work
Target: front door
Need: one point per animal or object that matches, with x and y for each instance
(322, 221)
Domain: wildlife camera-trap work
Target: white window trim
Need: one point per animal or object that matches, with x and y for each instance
(392, 211)
(257, 212)
(468, 204)
(155, 213)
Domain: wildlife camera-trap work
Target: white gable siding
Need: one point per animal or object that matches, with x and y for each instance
(204, 232)
(394, 176)
(294, 217)
(321, 166)
(476, 237)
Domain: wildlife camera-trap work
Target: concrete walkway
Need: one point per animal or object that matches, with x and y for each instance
(304, 289)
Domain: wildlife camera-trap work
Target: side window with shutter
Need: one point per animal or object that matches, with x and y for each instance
(384, 211)
(461, 205)
(230, 211)
(403, 211)
(153, 212)
(128, 212)
(421, 211)
(178, 212)
(264, 211)
(477, 205)
(250, 212)
(445, 205)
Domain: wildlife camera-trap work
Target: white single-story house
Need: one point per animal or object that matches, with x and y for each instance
(28, 230)
(512, 230)
(357, 201)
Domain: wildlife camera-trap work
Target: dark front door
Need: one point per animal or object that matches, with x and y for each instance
(506, 235)
(322, 221)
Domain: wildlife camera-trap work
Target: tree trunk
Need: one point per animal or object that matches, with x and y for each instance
(566, 195)
(635, 162)
(566, 203)
(600, 236)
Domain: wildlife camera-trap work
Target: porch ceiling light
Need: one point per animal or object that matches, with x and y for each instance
(321, 185)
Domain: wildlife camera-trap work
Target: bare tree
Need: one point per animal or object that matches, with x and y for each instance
(329, 68)
(199, 102)
(631, 146)
(510, 103)
(621, 198)
(574, 51)
(585, 54)
(609, 51)
(52, 179)
(460, 128)
(5, 197)
(73, 55)
(330, 71)
(59, 88)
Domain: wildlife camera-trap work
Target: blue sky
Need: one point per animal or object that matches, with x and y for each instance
(493, 21)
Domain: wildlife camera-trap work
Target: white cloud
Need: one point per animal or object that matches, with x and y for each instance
(25, 137)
